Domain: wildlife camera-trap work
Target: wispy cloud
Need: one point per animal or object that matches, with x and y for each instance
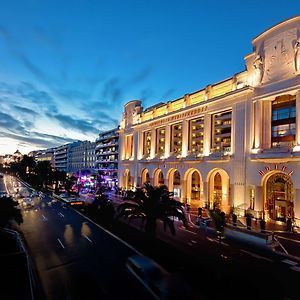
(84, 126)
(10, 124)
(33, 139)
(25, 110)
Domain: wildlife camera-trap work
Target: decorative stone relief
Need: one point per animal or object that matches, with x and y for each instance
(297, 55)
(258, 66)
(280, 56)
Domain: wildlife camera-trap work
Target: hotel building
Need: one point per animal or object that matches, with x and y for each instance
(235, 143)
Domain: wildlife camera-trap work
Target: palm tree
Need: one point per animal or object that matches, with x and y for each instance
(9, 212)
(152, 203)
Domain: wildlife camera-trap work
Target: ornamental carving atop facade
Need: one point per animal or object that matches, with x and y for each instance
(276, 54)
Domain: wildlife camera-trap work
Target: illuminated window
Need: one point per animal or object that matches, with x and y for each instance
(176, 138)
(221, 132)
(284, 121)
(160, 141)
(147, 143)
(196, 135)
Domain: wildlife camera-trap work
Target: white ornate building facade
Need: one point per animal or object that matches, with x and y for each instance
(235, 143)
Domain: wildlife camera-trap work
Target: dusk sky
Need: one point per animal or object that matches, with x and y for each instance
(68, 67)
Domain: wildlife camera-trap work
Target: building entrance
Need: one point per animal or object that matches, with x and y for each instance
(279, 197)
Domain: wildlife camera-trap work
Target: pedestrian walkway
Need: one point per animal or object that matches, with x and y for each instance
(274, 235)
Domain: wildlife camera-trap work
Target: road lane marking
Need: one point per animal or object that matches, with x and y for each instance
(290, 262)
(61, 243)
(44, 218)
(62, 215)
(109, 233)
(297, 269)
(257, 256)
(87, 238)
(192, 232)
(217, 241)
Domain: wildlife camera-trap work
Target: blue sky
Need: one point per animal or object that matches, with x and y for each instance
(68, 67)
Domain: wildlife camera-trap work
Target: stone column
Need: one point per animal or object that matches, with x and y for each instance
(258, 123)
(153, 142)
(297, 206)
(267, 124)
(135, 160)
(121, 146)
(135, 139)
(185, 138)
(140, 145)
(259, 199)
(207, 134)
(167, 140)
(205, 195)
(298, 119)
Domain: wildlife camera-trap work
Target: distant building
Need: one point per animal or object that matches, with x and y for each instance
(62, 156)
(107, 154)
(9, 158)
(43, 155)
(81, 156)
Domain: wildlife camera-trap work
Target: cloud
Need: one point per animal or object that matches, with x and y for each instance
(35, 70)
(86, 127)
(33, 139)
(111, 90)
(10, 124)
(25, 110)
(142, 75)
(168, 93)
(42, 98)
(72, 94)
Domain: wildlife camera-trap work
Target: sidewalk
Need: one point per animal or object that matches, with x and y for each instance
(275, 238)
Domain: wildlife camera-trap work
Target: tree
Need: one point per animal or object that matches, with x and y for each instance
(44, 171)
(152, 203)
(9, 212)
(27, 165)
(58, 176)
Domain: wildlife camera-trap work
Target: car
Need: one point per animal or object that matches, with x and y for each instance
(149, 273)
(158, 281)
(27, 202)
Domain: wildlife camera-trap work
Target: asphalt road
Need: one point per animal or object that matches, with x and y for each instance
(74, 258)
